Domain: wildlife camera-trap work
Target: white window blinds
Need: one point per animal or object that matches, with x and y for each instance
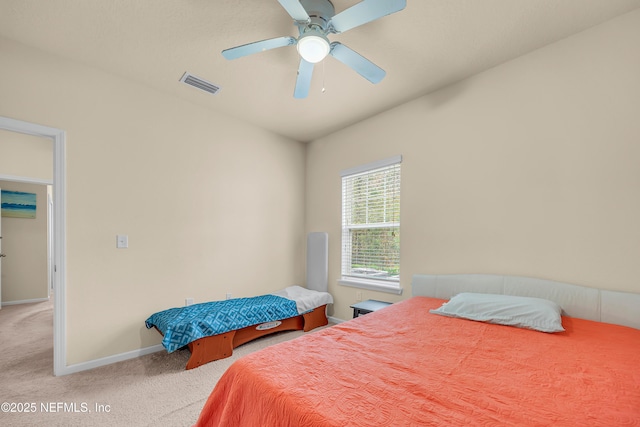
(371, 221)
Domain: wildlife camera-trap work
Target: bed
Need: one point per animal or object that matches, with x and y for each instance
(404, 365)
(212, 330)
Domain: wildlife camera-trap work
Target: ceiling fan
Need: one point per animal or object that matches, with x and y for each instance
(315, 19)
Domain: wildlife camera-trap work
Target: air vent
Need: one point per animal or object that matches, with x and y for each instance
(199, 83)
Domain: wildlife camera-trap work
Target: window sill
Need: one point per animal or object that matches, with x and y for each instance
(372, 285)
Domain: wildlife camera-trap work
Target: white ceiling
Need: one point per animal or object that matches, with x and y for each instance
(428, 45)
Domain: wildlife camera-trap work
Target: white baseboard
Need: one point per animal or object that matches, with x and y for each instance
(335, 319)
(92, 364)
(25, 301)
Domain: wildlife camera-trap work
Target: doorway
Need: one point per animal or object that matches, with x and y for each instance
(57, 137)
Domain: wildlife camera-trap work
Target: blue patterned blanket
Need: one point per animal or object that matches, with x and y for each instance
(183, 325)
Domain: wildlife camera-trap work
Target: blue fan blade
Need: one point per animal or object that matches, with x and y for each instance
(303, 82)
(364, 12)
(357, 62)
(295, 9)
(255, 47)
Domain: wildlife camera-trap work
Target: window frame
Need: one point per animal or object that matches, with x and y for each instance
(382, 285)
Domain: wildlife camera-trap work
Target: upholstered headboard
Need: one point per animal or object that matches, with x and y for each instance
(620, 308)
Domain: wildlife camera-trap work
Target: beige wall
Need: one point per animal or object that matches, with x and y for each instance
(210, 204)
(531, 168)
(24, 241)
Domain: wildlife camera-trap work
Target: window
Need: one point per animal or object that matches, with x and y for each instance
(371, 226)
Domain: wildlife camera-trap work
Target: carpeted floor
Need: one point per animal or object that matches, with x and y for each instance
(152, 390)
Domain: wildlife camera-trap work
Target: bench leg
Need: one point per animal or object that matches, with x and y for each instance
(315, 318)
(211, 348)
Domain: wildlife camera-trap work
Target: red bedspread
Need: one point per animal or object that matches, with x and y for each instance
(403, 366)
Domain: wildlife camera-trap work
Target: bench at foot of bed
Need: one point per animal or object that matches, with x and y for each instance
(221, 346)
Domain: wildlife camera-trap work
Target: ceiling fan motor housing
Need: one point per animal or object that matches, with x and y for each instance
(320, 12)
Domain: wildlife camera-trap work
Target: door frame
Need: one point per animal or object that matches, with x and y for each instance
(58, 137)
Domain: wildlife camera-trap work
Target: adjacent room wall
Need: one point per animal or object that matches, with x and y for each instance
(531, 168)
(25, 275)
(210, 204)
(26, 156)
(25, 269)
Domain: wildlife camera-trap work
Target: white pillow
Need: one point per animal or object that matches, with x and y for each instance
(523, 312)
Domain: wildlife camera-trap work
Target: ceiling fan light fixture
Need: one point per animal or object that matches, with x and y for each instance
(313, 47)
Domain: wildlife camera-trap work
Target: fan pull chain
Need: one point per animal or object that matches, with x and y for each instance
(323, 89)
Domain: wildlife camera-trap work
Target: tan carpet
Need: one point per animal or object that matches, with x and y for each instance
(152, 390)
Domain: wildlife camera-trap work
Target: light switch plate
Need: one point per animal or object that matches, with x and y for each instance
(122, 241)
